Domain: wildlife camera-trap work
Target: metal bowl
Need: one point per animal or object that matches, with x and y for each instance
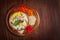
(15, 31)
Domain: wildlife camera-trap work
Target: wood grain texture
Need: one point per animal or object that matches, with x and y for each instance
(49, 11)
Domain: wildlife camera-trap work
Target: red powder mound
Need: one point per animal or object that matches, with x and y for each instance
(23, 9)
(29, 29)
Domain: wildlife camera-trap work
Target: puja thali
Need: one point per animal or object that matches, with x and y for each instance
(22, 20)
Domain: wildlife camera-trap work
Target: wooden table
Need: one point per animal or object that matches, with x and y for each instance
(49, 27)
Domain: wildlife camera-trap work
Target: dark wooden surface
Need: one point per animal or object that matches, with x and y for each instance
(49, 11)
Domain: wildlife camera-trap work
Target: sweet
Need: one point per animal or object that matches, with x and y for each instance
(32, 20)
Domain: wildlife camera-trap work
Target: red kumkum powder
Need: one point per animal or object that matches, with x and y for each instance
(29, 29)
